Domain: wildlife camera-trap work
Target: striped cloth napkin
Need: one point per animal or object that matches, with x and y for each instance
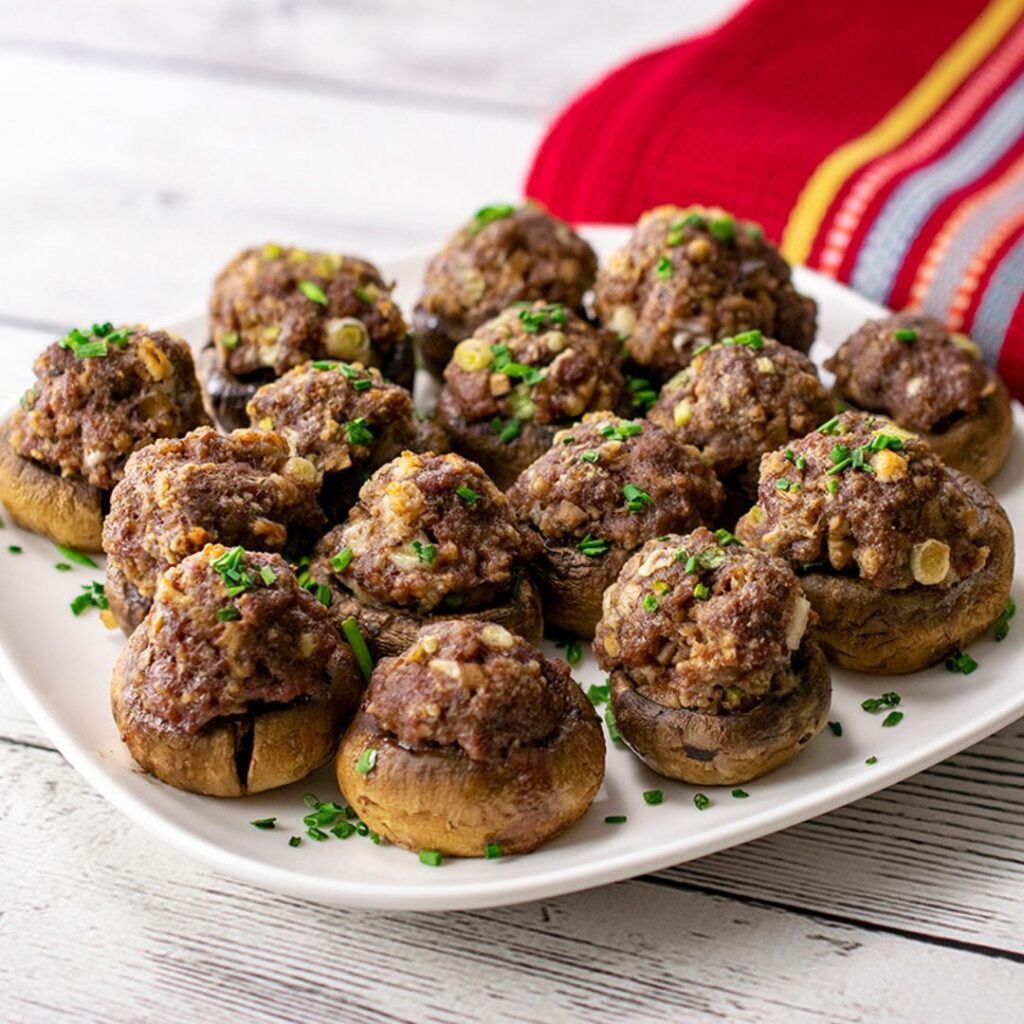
(881, 143)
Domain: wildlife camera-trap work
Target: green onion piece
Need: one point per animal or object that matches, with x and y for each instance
(650, 603)
(664, 268)
(590, 455)
(829, 426)
(268, 575)
(230, 340)
(597, 695)
(487, 214)
(492, 851)
(467, 494)
(893, 718)
(316, 833)
(701, 801)
(533, 319)
(425, 552)
(313, 292)
(374, 838)
(725, 538)
(343, 830)
(740, 794)
(636, 498)
(836, 727)
(362, 294)
(362, 385)
(14, 549)
(701, 592)
(833, 487)
(723, 228)
(323, 595)
(62, 567)
(350, 629)
(615, 819)
(76, 556)
(1002, 624)
(263, 823)
(653, 797)
(310, 800)
(510, 431)
(432, 858)
(358, 432)
(367, 761)
(227, 614)
(573, 652)
(362, 829)
(324, 365)
(801, 463)
(613, 729)
(871, 760)
(782, 484)
(693, 220)
(961, 662)
(907, 334)
(295, 841)
(340, 562)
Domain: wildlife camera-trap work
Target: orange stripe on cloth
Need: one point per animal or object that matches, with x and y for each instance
(945, 76)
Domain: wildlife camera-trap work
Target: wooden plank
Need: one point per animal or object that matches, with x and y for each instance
(130, 215)
(432, 54)
(154, 937)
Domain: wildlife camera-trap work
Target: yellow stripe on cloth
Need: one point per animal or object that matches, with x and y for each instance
(944, 78)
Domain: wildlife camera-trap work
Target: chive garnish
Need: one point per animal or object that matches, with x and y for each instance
(636, 498)
(590, 455)
(268, 575)
(14, 549)
(615, 819)
(906, 334)
(263, 823)
(893, 718)
(316, 833)
(653, 797)
(352, 634)
(76, 556)
(871, 760)
(740, 794)
(701, 592)
(467, 494)
(664, 268)
(366, 761)
(597, 695)
(62, 567)
(836, 727)
(650, 603)
(887, 700)
(340, 562)
(613, 729)
(701, 801)
(295, 841)
(323, 595)
(343, 829)
(92, 596)
(961, 662)
(573, 652)
(230, 340)
(725, 538)
(313, 292)
(533, 319)
(492, 851)
(1002, 624)
(362, 385)
(432, 858)
(829, 426)
(227, 614)
(358, 432)
(425, 552)
(487, 214)
(723, 228)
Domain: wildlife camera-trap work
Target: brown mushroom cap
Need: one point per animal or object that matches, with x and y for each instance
(930, 381)
(225, 692)
(691, 276)
(477, 739)
(502, 255)
(576, 500)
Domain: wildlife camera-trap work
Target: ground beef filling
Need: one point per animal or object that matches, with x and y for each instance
(177, 496)
(736, 401)
(538, 362)
(208, 654)
(472, 686)
(85, 415)
(615, 482)
(505, 255)
(862, 496)
(910, 368)
(702, 625)
(429, 533)
(335, 414)
(275, 307)
(692, 276)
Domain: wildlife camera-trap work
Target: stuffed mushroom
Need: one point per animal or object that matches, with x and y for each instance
(346, 420)
(430, 538)
(692, 276)
(714, 678)
(532, 369)
(276, 307)
(930, 381)
(905, 561)
(606, 486)
(177, 496)
(504, 254)
(471, 743)
(99, 395)
(739, 398)
(235, 681)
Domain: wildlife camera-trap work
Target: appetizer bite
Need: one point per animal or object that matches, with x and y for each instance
(692, 276)
(739, 398)
(177, 496)
(504, 254)
(430, 538)
(471, 743)
(276, 307)
(532, 369)
(346, 420)
(604, 487)
(713, 676)
(904, 561)
(932, 382)
(235, 682)
(98, 396)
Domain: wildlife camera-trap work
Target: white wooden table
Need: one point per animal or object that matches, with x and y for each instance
(142, 144)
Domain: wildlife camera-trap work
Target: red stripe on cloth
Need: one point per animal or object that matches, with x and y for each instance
(854, 214)
(899, 293)
(1011, 356)
(742, 117)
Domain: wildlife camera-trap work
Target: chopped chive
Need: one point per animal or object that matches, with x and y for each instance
(907, 334)
(833, 486)
(492, 851)
(725, 538)
(227, 614)
(310, 800)
(893, 718)
(316, 833)
(597, 694)
(836, 727)
(367, 761)
(362, 294)
(343, 829)
(351, 631)
(829, 426)
(653, 797)
(590, 455)
(740, 794)
(295, 841)
(782, 484)
(323, 595)
(664, 268)
(593, 547)
(467, 494)
(573, 652)
(62, 567)
(650, 603)
(14, 549)
(313, 292)
(961, 662)
(701, 592)
(432, 858)
(887, 700)
(425, 552)
(613, 729)
(487, 214)
(358, 432)
(701, 801)
(615, 819)
(76, 556)
(362, 385)
(510, 431)
(871, 760)
(723, 228)
(636, 498)
(362, 829)
(230, 340)
(263, 823)
(340, 562)
(1002, 624)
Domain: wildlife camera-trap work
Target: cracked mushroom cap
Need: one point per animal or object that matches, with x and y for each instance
(235, 681)
(689, 276)
(100, 395)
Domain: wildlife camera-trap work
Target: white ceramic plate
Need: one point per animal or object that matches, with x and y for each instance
(60, 666)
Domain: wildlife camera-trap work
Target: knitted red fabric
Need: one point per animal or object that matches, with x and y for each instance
(881, 143)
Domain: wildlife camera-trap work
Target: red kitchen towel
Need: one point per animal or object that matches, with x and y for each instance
(881, 143)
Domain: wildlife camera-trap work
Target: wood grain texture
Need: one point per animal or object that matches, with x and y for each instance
(163, 940)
